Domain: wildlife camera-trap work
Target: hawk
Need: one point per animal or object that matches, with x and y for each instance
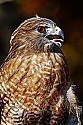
(35, 88)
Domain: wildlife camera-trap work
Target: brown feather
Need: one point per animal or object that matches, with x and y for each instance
(33, 79)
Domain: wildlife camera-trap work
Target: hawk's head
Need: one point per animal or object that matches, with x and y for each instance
(36, 34)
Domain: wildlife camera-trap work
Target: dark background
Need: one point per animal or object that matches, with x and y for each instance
(68, 14)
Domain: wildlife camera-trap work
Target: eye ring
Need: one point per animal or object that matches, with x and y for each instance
(41, 29)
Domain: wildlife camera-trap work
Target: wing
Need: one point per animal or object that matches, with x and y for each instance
(11, 74)
(74, 110)
(73, 121)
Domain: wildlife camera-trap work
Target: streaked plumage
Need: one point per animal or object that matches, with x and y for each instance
(34, 79)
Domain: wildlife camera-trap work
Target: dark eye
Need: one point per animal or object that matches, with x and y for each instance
(41, 29)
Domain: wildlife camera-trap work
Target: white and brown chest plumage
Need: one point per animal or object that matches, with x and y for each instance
(31, 84)
(34, 84)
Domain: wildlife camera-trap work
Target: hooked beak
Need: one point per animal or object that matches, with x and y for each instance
(56, 37)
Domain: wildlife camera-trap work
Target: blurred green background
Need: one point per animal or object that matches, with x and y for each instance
(68, 14)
